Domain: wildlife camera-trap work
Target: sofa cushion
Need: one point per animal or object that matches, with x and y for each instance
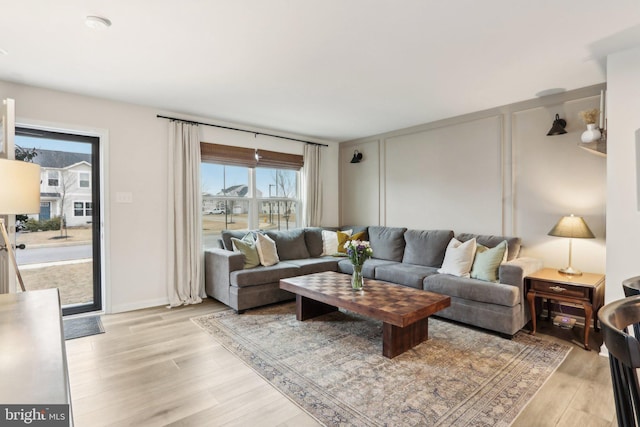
(267, 250)
(487, 262)
(313, 240)
(404, 274)
(458, 258)
(263, 275)
(356, 229)
(387, 242)
(247, 246)
(329, 242)
(368, 268)
(513, 243)
(426, 247)
(226, 236)
(472, 289)
(290, 244)
(343, 238)
(315, 265)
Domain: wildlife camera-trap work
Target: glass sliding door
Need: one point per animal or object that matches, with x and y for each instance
(62, 241)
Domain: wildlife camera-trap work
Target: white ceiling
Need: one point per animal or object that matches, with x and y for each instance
(331, 69)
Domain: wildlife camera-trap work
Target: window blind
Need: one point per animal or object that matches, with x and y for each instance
(240, 156)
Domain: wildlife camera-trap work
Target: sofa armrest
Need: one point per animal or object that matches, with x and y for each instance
(514, 271)
(218, 265)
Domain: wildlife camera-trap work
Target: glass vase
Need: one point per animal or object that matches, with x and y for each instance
(357, 281)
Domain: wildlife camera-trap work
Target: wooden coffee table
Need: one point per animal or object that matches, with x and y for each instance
(404, 311)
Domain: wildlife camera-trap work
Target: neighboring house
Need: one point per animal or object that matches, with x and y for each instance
(65, 186)
(212, 202)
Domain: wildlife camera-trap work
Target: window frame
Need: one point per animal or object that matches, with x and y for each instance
(88, 180)
(49, 179)
(85, 207)
(252, 159)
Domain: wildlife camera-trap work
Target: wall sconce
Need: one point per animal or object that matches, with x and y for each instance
(558, 126)
(357, 157)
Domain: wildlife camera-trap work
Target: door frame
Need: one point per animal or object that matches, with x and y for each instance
(103, 165)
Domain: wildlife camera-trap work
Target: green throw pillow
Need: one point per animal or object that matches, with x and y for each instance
(487, 262)
(247, 247)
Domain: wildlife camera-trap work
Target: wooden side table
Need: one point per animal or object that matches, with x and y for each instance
(587, 290)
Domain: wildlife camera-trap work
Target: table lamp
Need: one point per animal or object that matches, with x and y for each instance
(19, 194)
(572, 227)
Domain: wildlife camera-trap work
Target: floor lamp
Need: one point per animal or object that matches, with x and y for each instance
(19, 194)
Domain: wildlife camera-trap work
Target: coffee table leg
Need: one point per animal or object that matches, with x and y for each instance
(307, 308)
(397, 340)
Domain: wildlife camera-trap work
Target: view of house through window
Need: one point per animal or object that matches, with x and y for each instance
(62, 240)
(242, 198)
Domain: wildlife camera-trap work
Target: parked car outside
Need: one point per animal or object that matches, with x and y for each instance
(215, 211)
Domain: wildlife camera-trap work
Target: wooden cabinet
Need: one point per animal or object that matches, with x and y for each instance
(586, 290)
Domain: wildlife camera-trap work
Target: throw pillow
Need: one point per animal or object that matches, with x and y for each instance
(458, 258)
(344, 238)
(329, 242)
(247, 247)
(266, 250)
(487, 262)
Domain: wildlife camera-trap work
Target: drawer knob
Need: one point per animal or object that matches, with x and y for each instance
(557, 289)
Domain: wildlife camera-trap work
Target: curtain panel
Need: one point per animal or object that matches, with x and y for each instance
(185, 258)
(312, 187)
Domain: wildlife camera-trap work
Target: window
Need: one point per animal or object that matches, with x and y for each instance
(53, 178)
(82, 209)
(239, 193)
(84, 179)
(278, 198)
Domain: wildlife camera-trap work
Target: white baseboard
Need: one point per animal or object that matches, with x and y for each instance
(139, 305)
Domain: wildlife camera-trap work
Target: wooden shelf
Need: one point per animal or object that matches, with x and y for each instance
(599, 148)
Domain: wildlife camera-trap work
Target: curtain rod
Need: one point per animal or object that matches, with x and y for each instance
(239, 130)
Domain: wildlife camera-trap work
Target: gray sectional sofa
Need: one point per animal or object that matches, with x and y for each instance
(401, 256)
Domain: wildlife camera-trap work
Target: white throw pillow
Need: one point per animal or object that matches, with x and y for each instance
(329, 242)
(458, 258)
(266, 250)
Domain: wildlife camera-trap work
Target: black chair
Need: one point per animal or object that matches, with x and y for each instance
(631, 288)
(624, 356)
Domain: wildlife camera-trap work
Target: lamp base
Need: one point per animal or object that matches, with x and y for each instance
(570, 271)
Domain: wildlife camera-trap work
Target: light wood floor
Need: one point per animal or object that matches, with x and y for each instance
(154, 367)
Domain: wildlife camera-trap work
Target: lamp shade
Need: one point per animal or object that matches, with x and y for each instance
(19, 187)
(572, 226)
(558, 126)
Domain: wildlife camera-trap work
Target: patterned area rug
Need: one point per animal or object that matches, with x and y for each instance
(332, 366)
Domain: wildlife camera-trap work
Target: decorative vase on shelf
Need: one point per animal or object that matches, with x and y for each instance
(357, 281)
(591, 134)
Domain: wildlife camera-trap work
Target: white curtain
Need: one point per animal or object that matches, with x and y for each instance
(186, 257)
(312, 185)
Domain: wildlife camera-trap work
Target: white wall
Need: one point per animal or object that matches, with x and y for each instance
(491, 172)
(137, 143)
(623, 214)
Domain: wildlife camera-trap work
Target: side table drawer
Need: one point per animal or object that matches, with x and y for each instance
(560, 289)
